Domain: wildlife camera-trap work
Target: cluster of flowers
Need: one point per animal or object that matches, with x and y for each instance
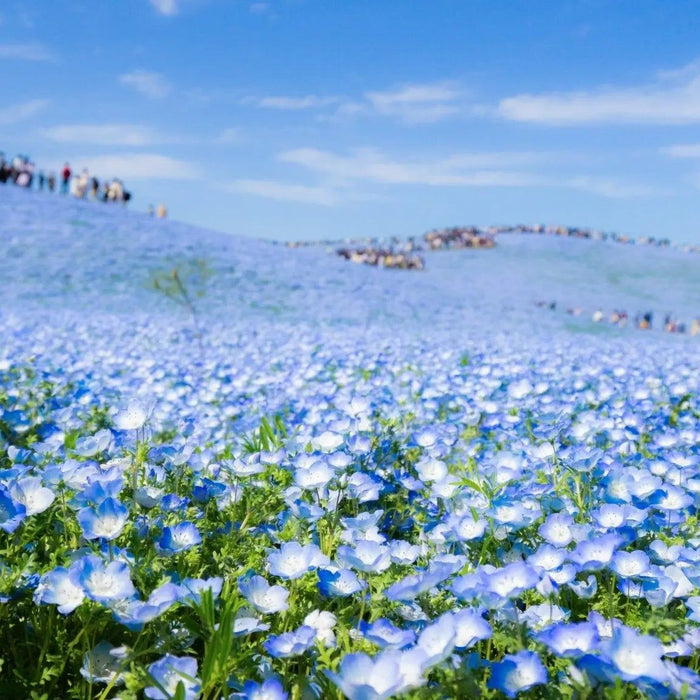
(499, 522)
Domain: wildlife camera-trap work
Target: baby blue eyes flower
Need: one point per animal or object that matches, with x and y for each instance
(382, 633)
(573, 639)
(293, 560)
(360, 677)
(517, 672)
(292, 643)
(102, 582)
(270, 689)
(557, 529)
(12, 513)
(57, 588)
(366, 556)
(635, 656)
(30, 493)
(104, 664)
(106, 521)
(261, 595)
(178, 538)
(339, 583)
(171, 671)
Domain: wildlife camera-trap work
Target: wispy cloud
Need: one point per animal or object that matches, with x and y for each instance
(230, 135)
(457, 170)
(285, 192)
(283, 102)
(165, 7)
(29, 51)
(612, 188)
(416, 103)
(683, 150)
(104, 134)
(259, 8)
(672, 98)
(139, 166)
(12, 114)
(148, 83)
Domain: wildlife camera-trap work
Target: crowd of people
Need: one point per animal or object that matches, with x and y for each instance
(21, 171)
(384, 257)
(643, 321)
(459, 237)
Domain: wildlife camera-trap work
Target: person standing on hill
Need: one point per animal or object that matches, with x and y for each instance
(65, 178)
(162, 211)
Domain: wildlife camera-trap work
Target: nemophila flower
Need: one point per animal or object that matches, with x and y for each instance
(327, 441)
(106, 521)
(294, 643)
(517, 672)
(584, 589)
(269, 689)
(366, 556)
(293, 560)
(168, 673)
(467, 528)
(261, 595)
(557, 529)
(104, 663)
(148, 496)
(99, 488)
(542, 615)
(314, 477)
(192, 588)
(247, 623)
(635, 656)
(30, 493)
(574, 639)
(548, 558)
(413, 585)
(360, 677)
(437, 640)
(323, 622)
(339, 583)
(102, 582)
(92, 445)
(431, 469)
(512, 579)
(597, 552)
(628, 564)
(12, 513)
(132, 416)
(382, 633)
(364, 487)
(470, 627)
(403, 552)
(178, 538)
(56, 588)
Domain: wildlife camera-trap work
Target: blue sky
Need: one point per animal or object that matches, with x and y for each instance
(312, 119)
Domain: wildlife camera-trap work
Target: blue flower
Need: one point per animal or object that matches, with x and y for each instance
(517, 672)
(261, 595)
(178, 538)
(171, 671)
(635, 656)
(56, 588)
(339, 583)
(30, 493)
(360, 677)
(101, 582)
(106, 522)
(12, 513)
(386, 635)
(293, 560)
(292, 643)
(270, 689)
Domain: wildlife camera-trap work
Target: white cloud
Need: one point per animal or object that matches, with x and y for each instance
(673, 98)
(259, 8)
(104, 134)
(138, 166)
(291, 103)
(458, 170)
(230, 135)
(683, 150)
(285, 192)
(30, 51)
(165, 7)
(416, 103)
(12, 114)
(148, 83)
(612, 188)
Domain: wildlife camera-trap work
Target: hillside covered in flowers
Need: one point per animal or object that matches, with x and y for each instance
(234, 469)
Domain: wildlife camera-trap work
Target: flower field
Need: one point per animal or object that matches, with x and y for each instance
(228, 469)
